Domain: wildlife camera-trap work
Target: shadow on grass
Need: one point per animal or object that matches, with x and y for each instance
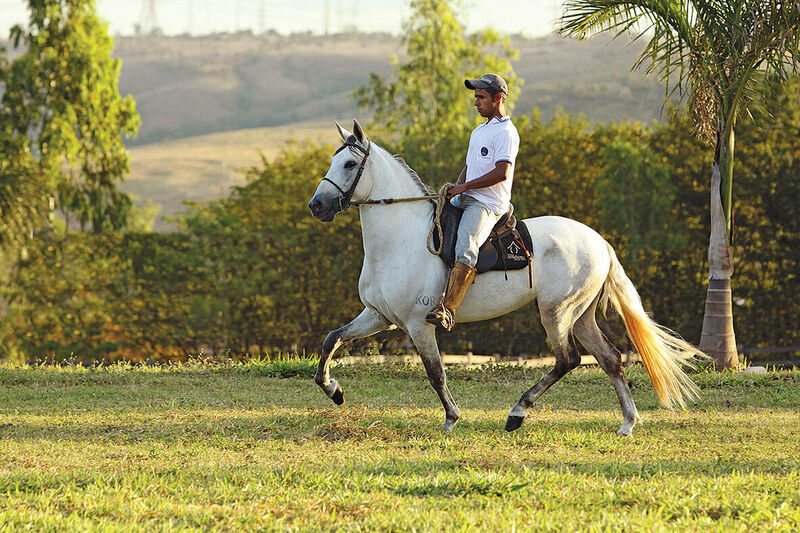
(402, 428)
(254, 387)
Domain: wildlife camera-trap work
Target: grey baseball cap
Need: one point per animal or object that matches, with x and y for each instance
(489, 81)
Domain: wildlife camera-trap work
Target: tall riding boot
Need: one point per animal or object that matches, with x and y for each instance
(444, 313)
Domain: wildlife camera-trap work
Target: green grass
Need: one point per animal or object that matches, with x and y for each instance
(241, 446)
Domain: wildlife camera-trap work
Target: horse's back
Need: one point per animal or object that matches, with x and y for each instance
(567, 256)
(563, 233)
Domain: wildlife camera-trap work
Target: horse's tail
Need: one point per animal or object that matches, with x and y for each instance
(663, 352)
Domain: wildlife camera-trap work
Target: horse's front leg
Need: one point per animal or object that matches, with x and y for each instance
(424, 337)
(367, 323)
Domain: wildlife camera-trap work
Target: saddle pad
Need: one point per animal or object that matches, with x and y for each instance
(502, 253)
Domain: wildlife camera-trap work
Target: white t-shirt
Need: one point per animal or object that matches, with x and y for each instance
(491, 142)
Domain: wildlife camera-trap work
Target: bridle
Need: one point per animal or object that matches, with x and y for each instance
(343, 201)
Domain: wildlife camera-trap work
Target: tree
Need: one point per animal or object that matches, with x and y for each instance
(425, 112)
(721, 52)
(635, 196)
(60, 100)
(23, 199)
(22, 191)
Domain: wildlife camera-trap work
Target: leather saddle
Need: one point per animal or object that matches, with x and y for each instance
(508, 247)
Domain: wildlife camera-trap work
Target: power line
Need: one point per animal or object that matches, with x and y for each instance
(148, 23)
(327, 16)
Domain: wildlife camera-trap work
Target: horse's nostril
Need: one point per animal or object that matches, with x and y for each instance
(315, 205)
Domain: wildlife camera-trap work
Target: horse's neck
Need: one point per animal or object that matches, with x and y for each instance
(385, 227)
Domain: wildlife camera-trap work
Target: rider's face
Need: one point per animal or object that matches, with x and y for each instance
(483, 101)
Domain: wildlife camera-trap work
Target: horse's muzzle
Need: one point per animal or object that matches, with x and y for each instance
(322, 209)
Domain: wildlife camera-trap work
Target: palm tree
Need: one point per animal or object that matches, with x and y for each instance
(719, 53)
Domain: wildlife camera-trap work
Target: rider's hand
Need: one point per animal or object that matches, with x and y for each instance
(456, 190)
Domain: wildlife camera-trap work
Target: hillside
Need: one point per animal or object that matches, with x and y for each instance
(188, 86)
(206, 166)
(210, 105)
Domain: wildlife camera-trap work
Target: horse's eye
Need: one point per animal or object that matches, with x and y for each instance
(349, 165)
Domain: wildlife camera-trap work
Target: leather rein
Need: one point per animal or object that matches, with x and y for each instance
(344, 201)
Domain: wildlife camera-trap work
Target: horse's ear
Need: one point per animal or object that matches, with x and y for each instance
(342, 132)
(358, 131)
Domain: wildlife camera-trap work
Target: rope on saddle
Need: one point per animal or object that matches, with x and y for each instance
(436, 225)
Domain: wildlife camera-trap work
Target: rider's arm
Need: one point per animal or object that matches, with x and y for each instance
(462, 177)
(496, 175)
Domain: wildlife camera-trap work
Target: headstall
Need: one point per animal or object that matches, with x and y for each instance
(344, 199)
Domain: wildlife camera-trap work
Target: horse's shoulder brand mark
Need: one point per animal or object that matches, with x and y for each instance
(426, 300)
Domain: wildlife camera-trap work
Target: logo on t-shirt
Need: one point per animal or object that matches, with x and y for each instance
(484, 151)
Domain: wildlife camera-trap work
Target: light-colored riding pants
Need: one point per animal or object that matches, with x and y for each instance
(473, 230)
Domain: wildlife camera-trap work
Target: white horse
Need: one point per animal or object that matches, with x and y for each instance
(574, 270)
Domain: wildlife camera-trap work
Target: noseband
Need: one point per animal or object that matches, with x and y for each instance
(344, 200)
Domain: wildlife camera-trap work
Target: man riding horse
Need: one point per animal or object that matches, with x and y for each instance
(482, 192)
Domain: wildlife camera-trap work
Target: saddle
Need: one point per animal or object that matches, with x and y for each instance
(508, 247)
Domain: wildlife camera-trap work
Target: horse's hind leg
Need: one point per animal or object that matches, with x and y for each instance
(567, 358)
(424, 337)
(367, 323)
(593, 339)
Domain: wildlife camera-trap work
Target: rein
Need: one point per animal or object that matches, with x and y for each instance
(387, 201)
(440, 199)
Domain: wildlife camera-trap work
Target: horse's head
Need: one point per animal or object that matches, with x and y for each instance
(345, 178)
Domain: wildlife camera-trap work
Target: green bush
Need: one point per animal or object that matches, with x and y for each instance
(254, 273)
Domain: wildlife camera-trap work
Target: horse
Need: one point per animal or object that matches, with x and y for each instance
(574, 271)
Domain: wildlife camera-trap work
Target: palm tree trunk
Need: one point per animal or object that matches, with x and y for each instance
(718, 339)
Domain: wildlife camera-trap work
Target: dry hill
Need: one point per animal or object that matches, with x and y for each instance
(206, 166)
(188, 86)
(210, 105)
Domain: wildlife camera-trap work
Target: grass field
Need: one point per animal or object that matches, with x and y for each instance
(259, 446)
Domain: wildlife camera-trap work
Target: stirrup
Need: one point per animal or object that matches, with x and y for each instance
(441, 317)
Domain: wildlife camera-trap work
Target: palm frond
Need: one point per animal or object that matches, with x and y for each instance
(23, 194)
(718, 49)
(668, 23)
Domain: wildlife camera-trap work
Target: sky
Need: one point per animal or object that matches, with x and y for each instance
(532, 18)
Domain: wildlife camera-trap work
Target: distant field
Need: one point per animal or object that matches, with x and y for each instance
(187, 86)
(248, 447)
(205, 167)
(206, 102)
(261, 90)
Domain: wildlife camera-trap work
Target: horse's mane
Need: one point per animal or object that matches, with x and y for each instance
(426, 190)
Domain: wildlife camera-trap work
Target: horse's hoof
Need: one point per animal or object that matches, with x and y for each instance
(338, 396)
(514, 422)
(622, 432)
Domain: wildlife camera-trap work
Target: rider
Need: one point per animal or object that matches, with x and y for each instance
(482, 192)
